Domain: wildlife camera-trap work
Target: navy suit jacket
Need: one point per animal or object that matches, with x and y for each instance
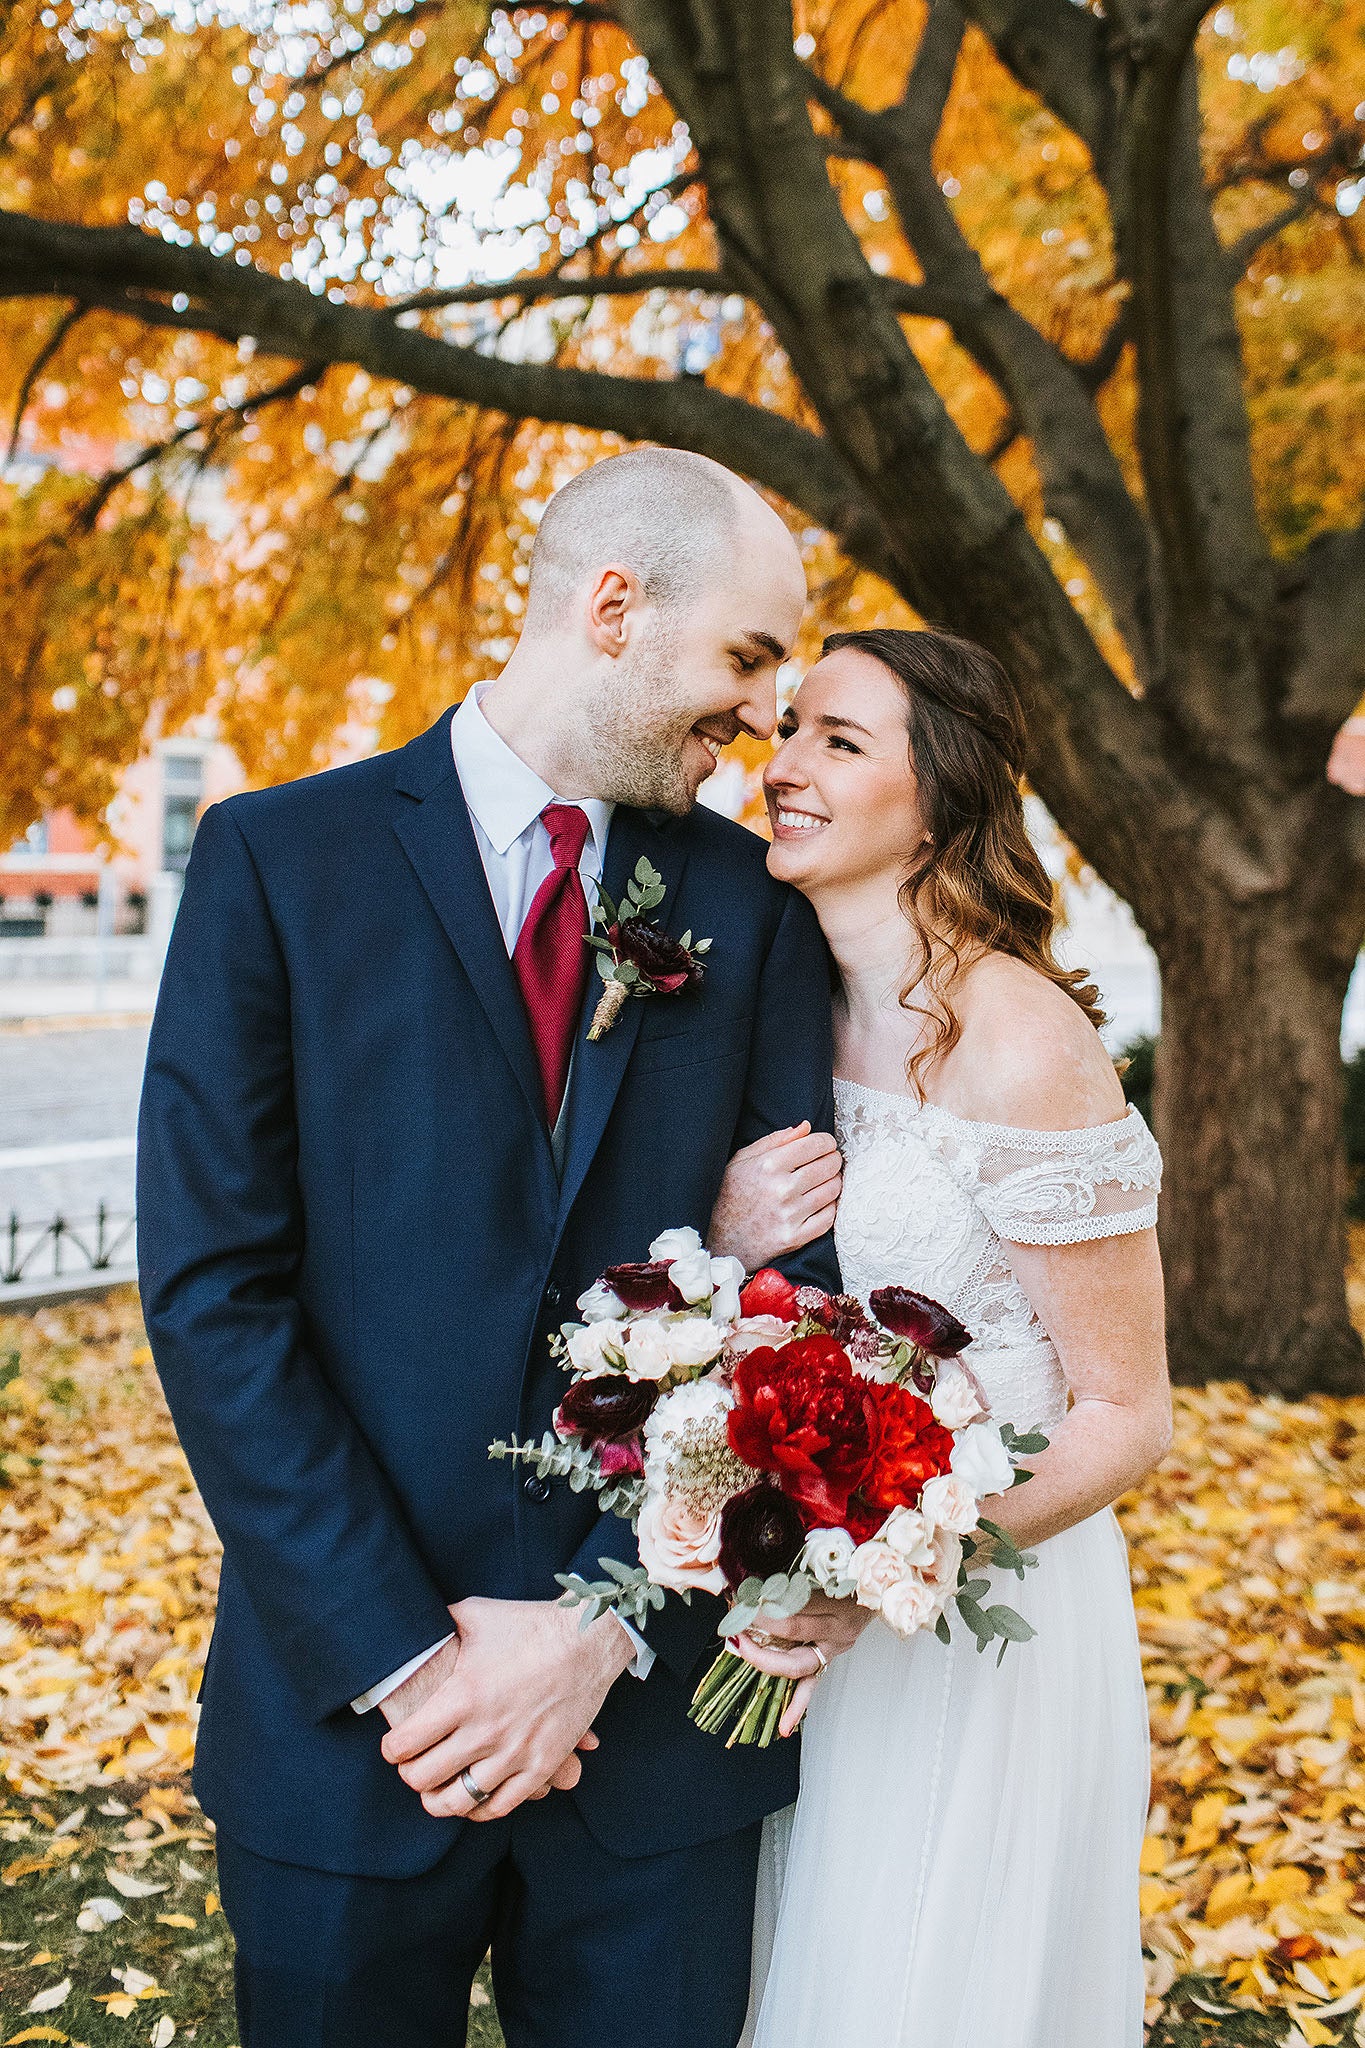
(354, 1246)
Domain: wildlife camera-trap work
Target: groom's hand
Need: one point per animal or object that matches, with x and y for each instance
(511, 1702)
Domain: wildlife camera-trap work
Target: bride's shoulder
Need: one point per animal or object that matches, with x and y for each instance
(1028, 1056)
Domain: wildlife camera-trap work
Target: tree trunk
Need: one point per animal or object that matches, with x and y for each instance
(1248, 1109)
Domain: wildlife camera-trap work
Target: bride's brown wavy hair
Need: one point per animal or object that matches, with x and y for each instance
(978, 886)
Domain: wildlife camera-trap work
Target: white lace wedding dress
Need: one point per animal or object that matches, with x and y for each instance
(962, 1868)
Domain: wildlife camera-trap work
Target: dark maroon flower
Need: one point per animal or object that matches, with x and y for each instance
(607, 1406)
(616, 1459)
(924, 1322)
(644, 1286)
(669, 966)
(760, 1532)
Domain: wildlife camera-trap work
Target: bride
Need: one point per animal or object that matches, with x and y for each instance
(961, 1870)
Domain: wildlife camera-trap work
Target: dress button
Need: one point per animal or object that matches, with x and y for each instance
(535, 1488)
(554, 1298)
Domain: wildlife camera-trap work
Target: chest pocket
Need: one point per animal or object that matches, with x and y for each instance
(701, 1041)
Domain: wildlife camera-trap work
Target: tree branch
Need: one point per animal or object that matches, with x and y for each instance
(1327, 677)
(65, 322)
(1238, 254)
(1051, 397)
(1057, 50)
(610, 284)
(126, 270)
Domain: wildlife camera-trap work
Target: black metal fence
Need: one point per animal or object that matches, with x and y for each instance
(65, 1246)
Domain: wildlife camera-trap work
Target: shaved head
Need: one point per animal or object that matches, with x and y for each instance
(670, 517)
(664, 595)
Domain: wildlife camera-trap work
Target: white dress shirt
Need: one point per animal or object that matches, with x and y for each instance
(505, 800)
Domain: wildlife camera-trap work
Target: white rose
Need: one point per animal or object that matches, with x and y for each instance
(600, 1305)
(911, 1536)
(949, 1503)
(593, 1346)
(648, 1356)
(909, 1605)
(727, 1277)
(694, 1402)
(675, 1244)
(828, 1555)
(954, 1399)
(875, 1567)
(752, 1332)
(695, 1340)
(691, 1274)
(678, 1547)
(981, 1461)
(947, 1558)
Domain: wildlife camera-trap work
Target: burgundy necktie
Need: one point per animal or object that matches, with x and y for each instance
(550, 958)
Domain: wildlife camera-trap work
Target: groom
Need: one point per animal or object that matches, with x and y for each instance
(379, 1159)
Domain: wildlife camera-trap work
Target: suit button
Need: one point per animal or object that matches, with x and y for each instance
(554, 1298)
(535, 1488)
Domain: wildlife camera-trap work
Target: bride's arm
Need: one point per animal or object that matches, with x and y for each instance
(1102, 1304)
(778, 1194)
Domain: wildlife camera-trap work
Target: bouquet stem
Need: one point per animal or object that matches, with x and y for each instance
(754, 1699)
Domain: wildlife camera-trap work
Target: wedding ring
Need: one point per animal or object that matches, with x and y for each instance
(821, 1659)
(761, 1637)
(474, 1789)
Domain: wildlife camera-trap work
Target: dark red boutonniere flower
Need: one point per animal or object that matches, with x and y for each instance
(909, 1448)
(634, 956)
(919, 1320)
(761, 1532)
(644, 1286)
(807, 1417)
(608, 1406)
(770, 1293)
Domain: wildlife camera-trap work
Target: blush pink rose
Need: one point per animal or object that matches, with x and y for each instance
(910, 1605)
(679, 1548)
(874, 1568)
(949, 1503)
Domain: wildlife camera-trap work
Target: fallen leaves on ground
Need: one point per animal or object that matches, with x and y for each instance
(1250, 1591)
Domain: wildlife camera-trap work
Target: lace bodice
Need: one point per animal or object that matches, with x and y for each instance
(932, 1201)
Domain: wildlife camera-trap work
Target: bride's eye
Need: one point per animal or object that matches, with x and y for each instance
(786, 726)
(837, 740)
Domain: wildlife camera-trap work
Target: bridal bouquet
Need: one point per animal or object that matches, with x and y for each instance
(768, 1441)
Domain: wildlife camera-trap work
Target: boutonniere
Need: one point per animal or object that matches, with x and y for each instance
(634, 956)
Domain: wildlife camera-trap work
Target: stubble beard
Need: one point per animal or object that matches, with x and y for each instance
(636, 733)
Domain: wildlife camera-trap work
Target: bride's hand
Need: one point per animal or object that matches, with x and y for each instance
(787, 1648)
(778, 1194)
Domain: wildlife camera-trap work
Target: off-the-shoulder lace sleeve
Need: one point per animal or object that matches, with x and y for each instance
(1064, 1187)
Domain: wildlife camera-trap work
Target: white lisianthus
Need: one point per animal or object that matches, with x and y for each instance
(594, 1345)
(949, 1503)
(694, 1340)
(690, 1273)
(727, 1277)
(875, 1568)
(679, 1547)
(600, 1305)
(981, 1461)
(911, 1536)
(828, 1556)
(954, 1399)
(910, 1605)
(675, 1244)
(647, 1351)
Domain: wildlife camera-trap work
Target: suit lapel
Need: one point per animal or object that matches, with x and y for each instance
(598, 1070)
(435, 832)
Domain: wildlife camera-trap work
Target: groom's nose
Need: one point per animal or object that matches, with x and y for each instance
(758, 713)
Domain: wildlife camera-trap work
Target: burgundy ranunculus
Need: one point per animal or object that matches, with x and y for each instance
(669, 966)
(644, 1286)
(924, 1322)
(806, 1416)
(761, 1531)
(614, 1460)
(608, 1406)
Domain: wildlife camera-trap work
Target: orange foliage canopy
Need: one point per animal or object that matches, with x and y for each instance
(324, 557)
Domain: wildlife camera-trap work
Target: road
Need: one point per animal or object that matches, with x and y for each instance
(68, 1111)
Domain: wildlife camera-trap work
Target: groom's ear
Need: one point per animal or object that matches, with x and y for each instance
(613, 605)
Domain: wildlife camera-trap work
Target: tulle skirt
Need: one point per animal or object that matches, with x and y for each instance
(961, 1870)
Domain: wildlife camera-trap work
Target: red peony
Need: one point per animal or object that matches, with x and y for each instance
(770, 1293)
(924, 1322)
(909, 1448)
(644, 1287)
(806, 1416)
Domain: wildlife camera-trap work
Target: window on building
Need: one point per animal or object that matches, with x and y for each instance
(184, 793)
